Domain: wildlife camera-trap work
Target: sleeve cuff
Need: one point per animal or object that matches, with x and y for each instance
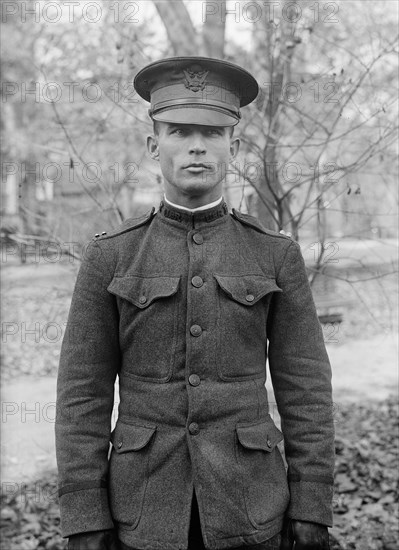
(85, 510)
(311, 501)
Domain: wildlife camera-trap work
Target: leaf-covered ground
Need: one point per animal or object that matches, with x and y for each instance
(366, 491)
(30, 516)
(366, 500)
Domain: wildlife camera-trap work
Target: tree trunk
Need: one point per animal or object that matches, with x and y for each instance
(213, 30)
(11, 172)
(179, 27)
(181, 32)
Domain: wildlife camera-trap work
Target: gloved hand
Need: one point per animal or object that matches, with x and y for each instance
(94, 540)
(305, 534)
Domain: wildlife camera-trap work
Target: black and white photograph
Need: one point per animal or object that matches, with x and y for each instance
(199, 275)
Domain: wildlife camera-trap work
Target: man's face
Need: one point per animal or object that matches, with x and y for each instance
(193, 160)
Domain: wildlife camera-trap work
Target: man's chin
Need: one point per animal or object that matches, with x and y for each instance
(197, 184)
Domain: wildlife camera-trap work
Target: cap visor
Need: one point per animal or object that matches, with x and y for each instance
(195, 115)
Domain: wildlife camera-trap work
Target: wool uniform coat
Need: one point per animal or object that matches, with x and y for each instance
(185, 308)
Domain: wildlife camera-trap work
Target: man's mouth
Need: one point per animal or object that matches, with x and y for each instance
(197, 167)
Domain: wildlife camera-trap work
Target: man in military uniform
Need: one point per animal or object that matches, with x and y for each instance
(184, 305)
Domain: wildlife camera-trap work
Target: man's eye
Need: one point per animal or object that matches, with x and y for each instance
(215, 131)
(178, 131)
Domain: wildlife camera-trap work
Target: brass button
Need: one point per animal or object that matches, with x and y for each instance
(197, 281)
(250, 297)
(198, 238)
(268, 443)
(196, 330)
(120, 444)
(104, 233)
(97, 235)
(194, 380)
(194, 428)
(142, 300)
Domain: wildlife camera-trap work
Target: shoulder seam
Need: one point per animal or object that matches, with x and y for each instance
(105, 261)
(284, 258)
(240, 216)
(138, 223)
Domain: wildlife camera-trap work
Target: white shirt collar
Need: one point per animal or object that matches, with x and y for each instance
(198, 209)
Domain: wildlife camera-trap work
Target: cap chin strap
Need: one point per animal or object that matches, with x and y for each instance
(236, 119)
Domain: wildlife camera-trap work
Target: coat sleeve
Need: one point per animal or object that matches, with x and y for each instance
(89, 363)
(301, 377)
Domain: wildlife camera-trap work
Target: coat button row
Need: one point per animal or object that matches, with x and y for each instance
(194, 380)
(197, 281)
(196, 330)
(198, 238)
(194, 428)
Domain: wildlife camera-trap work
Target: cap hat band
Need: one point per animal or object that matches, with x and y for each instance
(195, 102)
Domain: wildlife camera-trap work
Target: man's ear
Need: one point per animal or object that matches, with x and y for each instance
(234, 148)
(152, 147)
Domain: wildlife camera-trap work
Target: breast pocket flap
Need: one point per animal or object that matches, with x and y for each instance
(262, 436)
(142, 291)
(247, 289)
(131, 437)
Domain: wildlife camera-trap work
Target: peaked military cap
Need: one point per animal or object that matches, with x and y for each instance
(196, 90)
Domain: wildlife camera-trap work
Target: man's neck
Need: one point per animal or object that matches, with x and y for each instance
(198, 209)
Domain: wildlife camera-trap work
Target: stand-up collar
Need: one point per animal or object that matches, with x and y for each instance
(193, 218)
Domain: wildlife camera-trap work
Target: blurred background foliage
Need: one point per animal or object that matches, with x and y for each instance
(318, 154)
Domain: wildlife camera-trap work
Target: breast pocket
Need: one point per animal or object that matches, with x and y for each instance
(148, 310)
(243, 303)
(263, 474)
(128, 471)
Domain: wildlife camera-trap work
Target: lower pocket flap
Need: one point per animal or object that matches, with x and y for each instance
(131, 437)
(262, 435)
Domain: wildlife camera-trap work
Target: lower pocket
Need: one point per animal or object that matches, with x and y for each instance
(265, 483)
(128, 471)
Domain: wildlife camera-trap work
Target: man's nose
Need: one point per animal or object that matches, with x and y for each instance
(197, 144)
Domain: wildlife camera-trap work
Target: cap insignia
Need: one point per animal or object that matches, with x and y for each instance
(195, 78)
